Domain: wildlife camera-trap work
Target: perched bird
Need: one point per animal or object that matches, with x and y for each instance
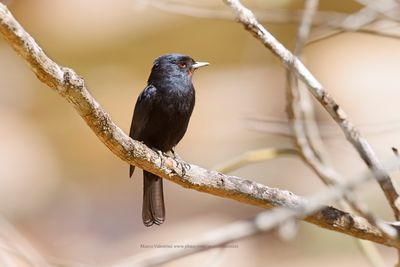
(160, 120)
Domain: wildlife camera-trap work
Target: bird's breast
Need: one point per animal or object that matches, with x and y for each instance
(178, 100)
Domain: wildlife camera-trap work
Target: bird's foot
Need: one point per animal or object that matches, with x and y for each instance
(161, 154)
(180, 163)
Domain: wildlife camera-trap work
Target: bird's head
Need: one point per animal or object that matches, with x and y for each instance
(175, 65)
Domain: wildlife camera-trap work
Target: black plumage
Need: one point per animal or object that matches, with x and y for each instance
(160, 120)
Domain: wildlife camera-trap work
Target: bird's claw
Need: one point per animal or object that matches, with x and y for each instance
(185, 167)
(161, 154)
(180, 163)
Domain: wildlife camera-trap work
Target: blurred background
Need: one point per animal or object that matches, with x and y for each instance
(66, 193)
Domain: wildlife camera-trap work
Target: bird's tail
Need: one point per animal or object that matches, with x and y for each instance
(153, 211)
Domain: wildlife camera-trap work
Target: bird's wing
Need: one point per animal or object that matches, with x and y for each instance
(144, 105)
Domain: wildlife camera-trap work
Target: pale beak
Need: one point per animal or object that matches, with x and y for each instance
(199, 65)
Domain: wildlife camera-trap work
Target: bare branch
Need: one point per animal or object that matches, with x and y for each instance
(381, 19)
(248, 20)
(300, 109)
(387, 8)
(353, 22)
(275, 16)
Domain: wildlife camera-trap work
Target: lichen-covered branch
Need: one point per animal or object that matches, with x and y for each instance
(69, 85)
(249, 21)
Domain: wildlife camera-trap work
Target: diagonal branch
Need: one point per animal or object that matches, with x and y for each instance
(70, 86)
(248, 20)
(386, 8)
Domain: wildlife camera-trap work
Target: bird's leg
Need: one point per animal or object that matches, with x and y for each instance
(181, 164)
(175, 154)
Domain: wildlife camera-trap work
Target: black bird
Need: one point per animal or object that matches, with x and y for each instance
(160, 120)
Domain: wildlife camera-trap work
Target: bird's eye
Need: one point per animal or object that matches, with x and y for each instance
(182, 65)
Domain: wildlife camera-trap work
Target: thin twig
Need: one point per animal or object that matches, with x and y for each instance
(280, 127)
(386, 8)
(353, 22)
(253, 156)
(273, 16)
